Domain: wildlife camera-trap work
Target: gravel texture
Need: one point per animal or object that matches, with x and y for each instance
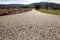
(31, 25)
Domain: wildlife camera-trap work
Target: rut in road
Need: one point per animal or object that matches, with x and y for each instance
(31, 25)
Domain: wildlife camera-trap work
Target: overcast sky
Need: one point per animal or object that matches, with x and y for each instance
(26, 1)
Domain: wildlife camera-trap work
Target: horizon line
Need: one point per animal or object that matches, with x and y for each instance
(25, 3)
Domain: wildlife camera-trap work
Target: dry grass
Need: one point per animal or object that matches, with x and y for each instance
(13, 11)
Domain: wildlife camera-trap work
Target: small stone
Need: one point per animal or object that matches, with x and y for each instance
(47, 25)
(0, 38)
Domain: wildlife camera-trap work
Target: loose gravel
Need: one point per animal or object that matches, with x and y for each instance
(31, 25)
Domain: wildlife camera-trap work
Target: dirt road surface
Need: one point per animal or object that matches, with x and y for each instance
(32, 25)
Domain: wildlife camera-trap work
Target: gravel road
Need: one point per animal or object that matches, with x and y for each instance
(32, 25)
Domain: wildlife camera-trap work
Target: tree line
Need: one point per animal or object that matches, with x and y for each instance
(47, 6)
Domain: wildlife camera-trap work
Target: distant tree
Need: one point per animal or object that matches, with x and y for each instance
(49, 6)
(40, 6)
(46, 6)
(52, 5)
(25, 6)
(36, 6)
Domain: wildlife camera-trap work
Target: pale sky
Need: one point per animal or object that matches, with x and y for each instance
(26, 1)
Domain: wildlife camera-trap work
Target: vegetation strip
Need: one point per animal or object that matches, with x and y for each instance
(50, 11)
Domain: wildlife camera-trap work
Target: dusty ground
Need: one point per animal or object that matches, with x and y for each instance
(31, 25)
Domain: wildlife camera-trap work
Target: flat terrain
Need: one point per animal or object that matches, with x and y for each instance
(50, 11)
(32, 25)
